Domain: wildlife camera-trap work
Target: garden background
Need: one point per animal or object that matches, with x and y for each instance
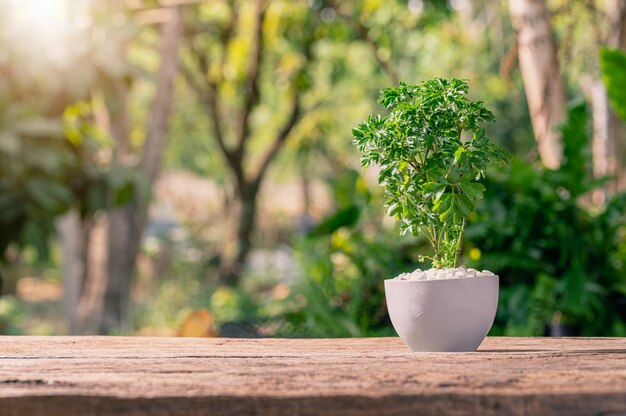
(186, 167)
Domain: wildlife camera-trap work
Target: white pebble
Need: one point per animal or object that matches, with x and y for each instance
(441, 274)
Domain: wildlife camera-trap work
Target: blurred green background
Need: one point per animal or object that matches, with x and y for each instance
(186, 167)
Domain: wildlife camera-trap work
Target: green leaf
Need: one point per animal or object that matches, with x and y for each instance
(94, 198)
(448, 215)
(434, 189)
(393, 209)
(459, 152)
(473, 190)
(479, 139)
(444, 203)
(38, 190)
(454, 177)
(344, 218)
(613, 64)
(576, 166)
(359, 131)
(34, 235)
(463, 205)
(124, 194)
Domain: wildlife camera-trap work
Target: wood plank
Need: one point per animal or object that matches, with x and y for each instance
(378, 376)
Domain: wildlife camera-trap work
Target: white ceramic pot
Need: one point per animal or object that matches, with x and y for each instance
(442, 315)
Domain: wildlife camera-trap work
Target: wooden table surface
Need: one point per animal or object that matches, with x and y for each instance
(374, 376)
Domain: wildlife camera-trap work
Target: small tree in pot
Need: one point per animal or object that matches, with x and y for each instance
(433, 152)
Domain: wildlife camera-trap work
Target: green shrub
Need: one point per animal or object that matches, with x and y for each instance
(559, 259)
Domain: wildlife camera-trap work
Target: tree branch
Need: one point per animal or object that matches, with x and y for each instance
(252, 96)
(207, 91)
(280, 139)
(216, 120)
(226, 34)
(364, 34)
(198, 89)
(207, 94)
(291, 121)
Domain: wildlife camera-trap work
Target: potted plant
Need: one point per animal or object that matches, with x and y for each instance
(433, 152)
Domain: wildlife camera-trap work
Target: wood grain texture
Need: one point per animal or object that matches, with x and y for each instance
(377, 376)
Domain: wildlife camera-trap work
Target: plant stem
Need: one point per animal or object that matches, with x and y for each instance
(460, 242)
(438, 246)
(429, 236)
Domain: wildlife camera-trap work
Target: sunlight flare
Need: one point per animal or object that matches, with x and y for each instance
(43, 26)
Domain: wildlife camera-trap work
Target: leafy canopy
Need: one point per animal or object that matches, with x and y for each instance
(430, 169)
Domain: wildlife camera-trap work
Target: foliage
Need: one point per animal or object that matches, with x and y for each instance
(342, 294)
(343, 263)
(559, 261)
(613, 63)
(429, 170)
(48, 166)
(11, 312)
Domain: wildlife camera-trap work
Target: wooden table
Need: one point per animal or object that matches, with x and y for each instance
(376, 376)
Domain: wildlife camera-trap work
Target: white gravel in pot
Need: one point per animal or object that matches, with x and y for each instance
(441, 274)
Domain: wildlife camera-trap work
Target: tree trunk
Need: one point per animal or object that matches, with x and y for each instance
(247, 194)
(601, 153)
(71, 232)
(122, 236)
(540, 72)
(616, 9)
(126, 223)
(120, 228)
(247, 221)
(91, 299)
(606, 145)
